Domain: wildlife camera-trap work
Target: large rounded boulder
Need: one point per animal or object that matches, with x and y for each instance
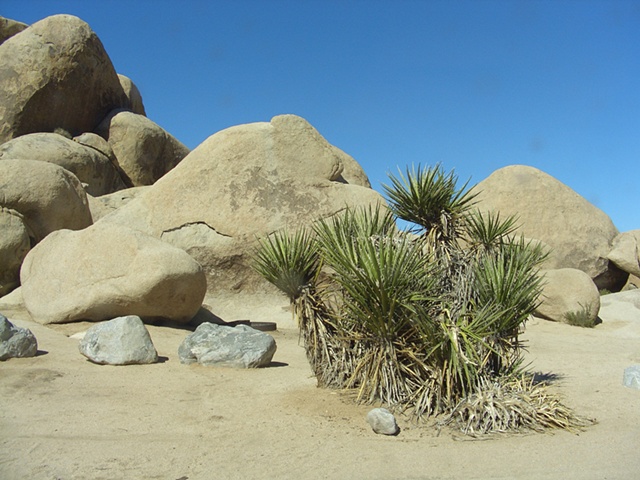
(47, 196)
(242, 183)
(568, 296)
(90, 165)
(107, 271)
(56, 74)
(578, 233)
(144, 151)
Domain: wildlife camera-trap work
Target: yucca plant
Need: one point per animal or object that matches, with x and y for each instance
(291, 262)
(431, 199)
(487, 231)
(415, 322)
(381, 280)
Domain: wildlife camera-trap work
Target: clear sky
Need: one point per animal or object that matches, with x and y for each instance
(474, 85)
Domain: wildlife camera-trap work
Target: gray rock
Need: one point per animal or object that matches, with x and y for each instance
(16, 342)
(240, 347)
(121, 341)
(382, 421)
(631, 377)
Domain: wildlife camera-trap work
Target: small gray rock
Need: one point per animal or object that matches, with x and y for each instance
(121, 341)
(631, 377)
(382, 421)
(16, 342)
(240, 347)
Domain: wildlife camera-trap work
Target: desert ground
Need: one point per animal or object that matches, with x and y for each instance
(62, 417)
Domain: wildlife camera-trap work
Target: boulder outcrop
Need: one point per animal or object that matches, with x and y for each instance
(106, 271)
(579, 234)
(92, 167)
(145, 152)
(47, 196)
(241, 183)
(56, 74)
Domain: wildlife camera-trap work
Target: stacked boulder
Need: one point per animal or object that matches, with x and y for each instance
(61, 148)
(100, 204)
(578, 236)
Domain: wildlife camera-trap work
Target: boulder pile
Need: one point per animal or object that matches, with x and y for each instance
(104, 214)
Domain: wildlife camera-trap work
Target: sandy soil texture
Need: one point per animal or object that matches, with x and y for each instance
(62, 417)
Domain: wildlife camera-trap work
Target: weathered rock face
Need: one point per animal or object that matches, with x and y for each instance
(121, 341)
(625, 253)
(106, 271)
(243, 182)
(568, 291)
(14, 245)
(48, 196)
(621, 306)
(106, 204)
(16, 342)
(56, 74)
(145, 152)
(352, 172)
(132, 92)
(579, 234)
(218, 345)
(8, 28)
(91, 166)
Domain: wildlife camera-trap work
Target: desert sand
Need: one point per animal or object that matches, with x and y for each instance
(62, 417)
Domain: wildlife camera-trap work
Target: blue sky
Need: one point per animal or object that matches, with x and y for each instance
(473, 85)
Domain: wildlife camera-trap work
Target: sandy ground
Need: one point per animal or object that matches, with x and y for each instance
(62, 417)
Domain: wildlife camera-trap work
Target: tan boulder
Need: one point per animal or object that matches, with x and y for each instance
(106, 271)
(8, 28)
(90, 165)
(241, 183)
(352, 172)
(568, 292)
(625, 253)
(56, 74)
(14, 246)
(106, 204)
(145, 152)
(132, 92)
(48, 196)
(578, 233)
